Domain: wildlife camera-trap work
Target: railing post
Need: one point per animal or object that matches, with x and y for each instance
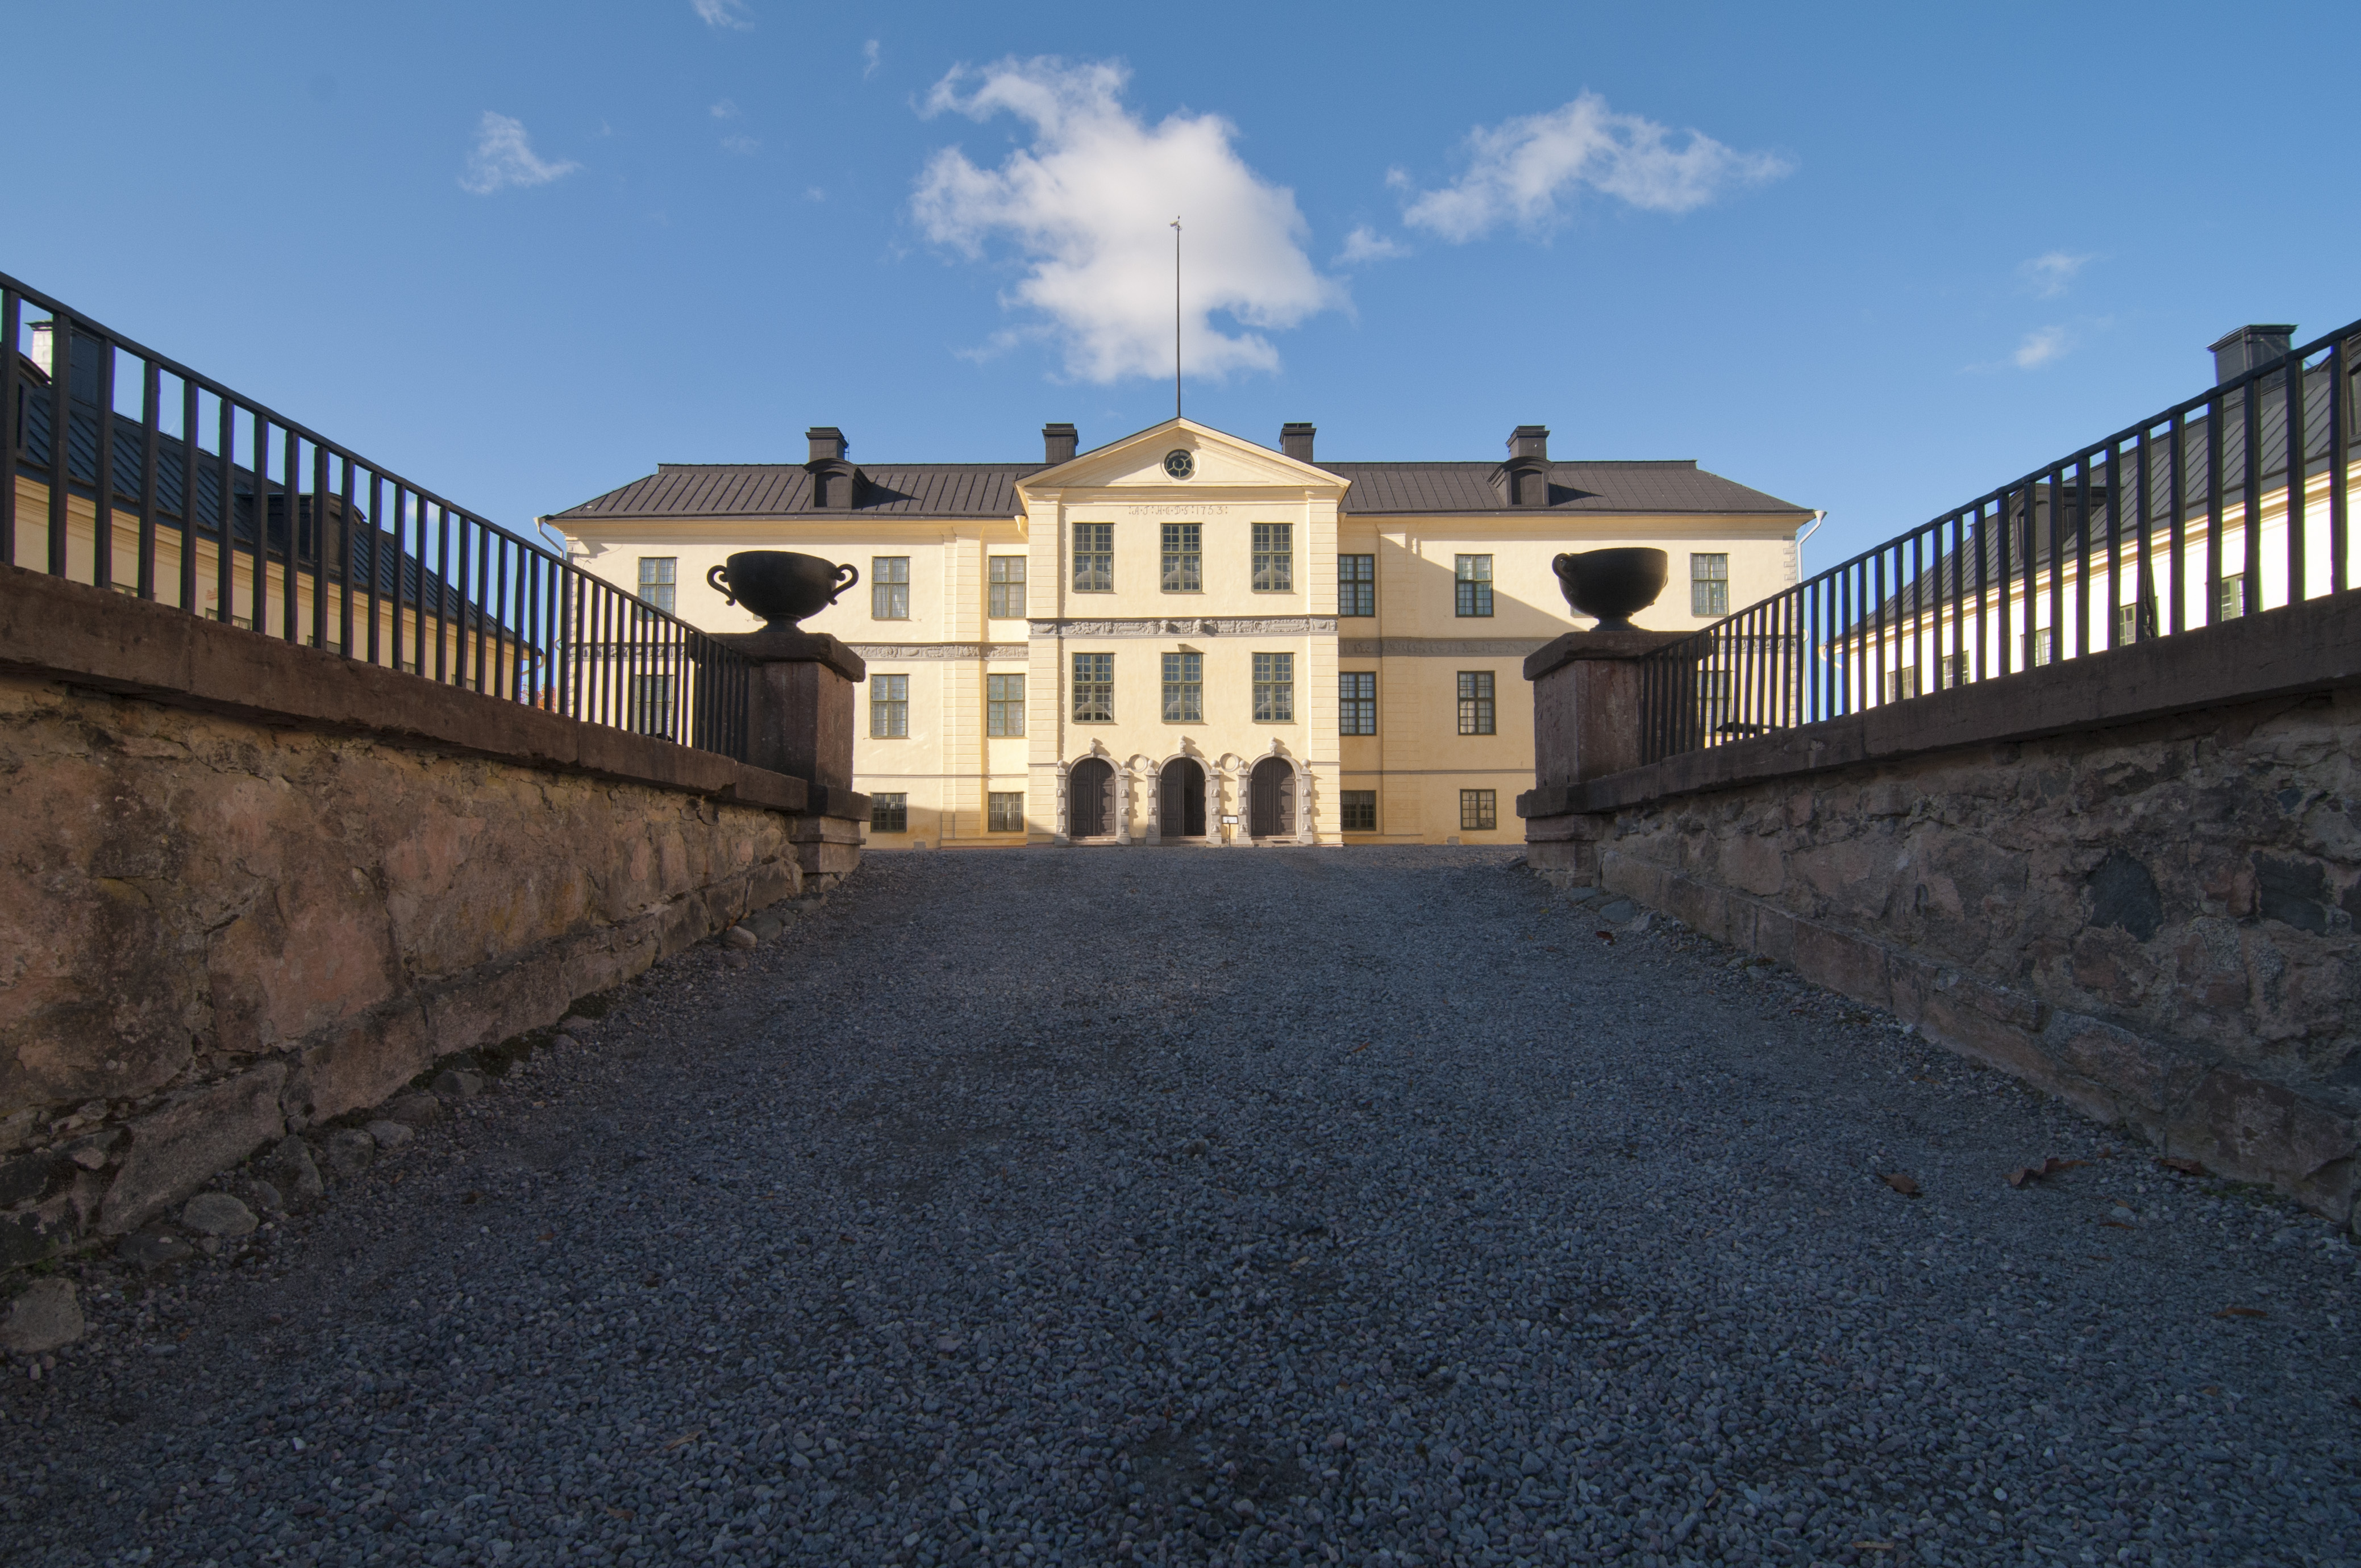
(799, 718)
(1589, 720)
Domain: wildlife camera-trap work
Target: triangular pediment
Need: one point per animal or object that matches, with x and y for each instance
(1217, 461)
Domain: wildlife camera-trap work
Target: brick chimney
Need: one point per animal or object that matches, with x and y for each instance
(2249, 346)
(1524, 480)
(1295, 440)
(1058, 443)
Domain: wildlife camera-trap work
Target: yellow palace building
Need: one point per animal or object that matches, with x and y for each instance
(1184, 637)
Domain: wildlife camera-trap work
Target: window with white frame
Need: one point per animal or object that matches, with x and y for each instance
(1007, 586)
(1274, 688)
(889, 588)
(1095, 688)
(1184, 558)
(1356, 585)
(889, 707)
(1184, 688)
(659, 582)
(1007, 809)
(1094, 557)
(1471, 584)
(1356, 702)
(1709, 586)
(1004, 705)
(1274, 557)
(1478, 715)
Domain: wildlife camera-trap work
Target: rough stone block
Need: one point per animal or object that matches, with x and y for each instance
(360, 1064)
(2247, 1127)
(45, 1317)
(1843, 962)
(174, 1150)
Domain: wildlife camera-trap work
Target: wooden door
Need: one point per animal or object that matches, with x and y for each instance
(1180, 809)
(1270, 812)
(1086, 803)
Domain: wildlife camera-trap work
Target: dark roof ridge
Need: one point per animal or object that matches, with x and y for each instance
(1494, 462)
(787, 463)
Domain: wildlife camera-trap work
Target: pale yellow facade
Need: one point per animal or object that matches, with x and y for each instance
(1418, 779)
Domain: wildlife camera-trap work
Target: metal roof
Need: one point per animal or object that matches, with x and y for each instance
(988, 490)
(772, 489)
(1390, 489)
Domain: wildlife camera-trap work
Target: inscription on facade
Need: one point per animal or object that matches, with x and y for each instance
(1176, 510)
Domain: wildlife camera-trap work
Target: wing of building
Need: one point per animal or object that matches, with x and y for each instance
(1184, 636)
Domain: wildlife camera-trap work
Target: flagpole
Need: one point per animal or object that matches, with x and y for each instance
(1176, 318)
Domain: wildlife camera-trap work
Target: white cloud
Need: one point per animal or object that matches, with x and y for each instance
(503, 156)
(2047, 274)
(1087, 205)
(870, 59)
(740, 143)
(2041, 346)
(1366, 244)
(725, 110)
(1526, 169)
(724, 14)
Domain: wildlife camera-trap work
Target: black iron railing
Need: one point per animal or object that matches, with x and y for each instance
(159, 482)
(2232, 502)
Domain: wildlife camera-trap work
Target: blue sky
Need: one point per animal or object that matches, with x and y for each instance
(1875, 260)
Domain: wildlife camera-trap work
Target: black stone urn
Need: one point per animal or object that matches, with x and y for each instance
(780, 585)
(1611, 584)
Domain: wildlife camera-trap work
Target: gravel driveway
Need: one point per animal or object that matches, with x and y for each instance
(1165, 1205)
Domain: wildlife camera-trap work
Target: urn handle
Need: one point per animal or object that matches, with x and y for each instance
(718, 578)
(850, 574)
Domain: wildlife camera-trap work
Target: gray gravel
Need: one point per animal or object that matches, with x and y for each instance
(1304, 1206)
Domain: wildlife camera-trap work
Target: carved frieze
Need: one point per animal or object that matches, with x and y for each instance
(1197, 626)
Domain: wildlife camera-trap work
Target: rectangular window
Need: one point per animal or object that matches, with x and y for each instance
(889, 814)
(1709, 586)
(1007, 588)
(1356, 585)
(1184, 558)
(1479, 810)
(1184, 688)
(1095, 688)
(659, 581)
(2232, 603)
(1356, 704)
(1274, 688)
(1472, 584)
(1007, 811)
(1274, 557)
(1004, 705)
(1357, 808)
(1094, 557)
(1713, 700)
(889, 588)
(1902, 683)
(1476, 714)
(2040, 646)
(2133, 622)
(889, 707)
(651, 705)
(1955, 669)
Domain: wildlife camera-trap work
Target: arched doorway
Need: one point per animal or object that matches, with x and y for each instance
(1271, 807)
(1087, 786)
(1180, 800)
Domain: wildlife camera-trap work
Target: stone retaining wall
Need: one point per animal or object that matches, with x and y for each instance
(226, 915)
(2152, 918)
(2156, 925)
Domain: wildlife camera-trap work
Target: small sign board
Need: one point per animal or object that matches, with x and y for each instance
(1228, 821)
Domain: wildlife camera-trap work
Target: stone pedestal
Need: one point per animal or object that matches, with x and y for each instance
(1585, 725)
(800, 712)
